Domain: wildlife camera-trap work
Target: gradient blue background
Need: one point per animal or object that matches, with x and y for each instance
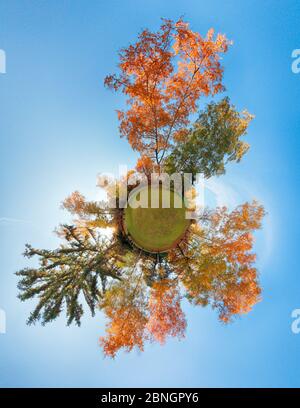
(58, 129)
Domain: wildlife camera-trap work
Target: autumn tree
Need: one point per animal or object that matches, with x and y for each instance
(137, 314)
(166, 317)
(141, 291)
(163, 75)
(215, 264)
(125, 306)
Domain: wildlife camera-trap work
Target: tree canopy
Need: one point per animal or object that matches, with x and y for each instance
(141, 292)
(213, 141)
(163, 75)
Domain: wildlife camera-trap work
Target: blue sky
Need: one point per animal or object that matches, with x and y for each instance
(58, 130)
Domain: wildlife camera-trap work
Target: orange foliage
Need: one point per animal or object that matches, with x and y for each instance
(239, 295)
(163, 75)
(166, 317)
(216, 264)
(123, 304)
(145, 165)
(125, 330)
(75, 203)
(134, 319)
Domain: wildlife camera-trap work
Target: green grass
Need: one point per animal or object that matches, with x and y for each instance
(155, 229)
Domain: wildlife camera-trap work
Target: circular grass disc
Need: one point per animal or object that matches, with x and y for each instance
(155, 229)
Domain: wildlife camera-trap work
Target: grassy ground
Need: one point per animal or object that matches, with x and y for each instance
(155, 229)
